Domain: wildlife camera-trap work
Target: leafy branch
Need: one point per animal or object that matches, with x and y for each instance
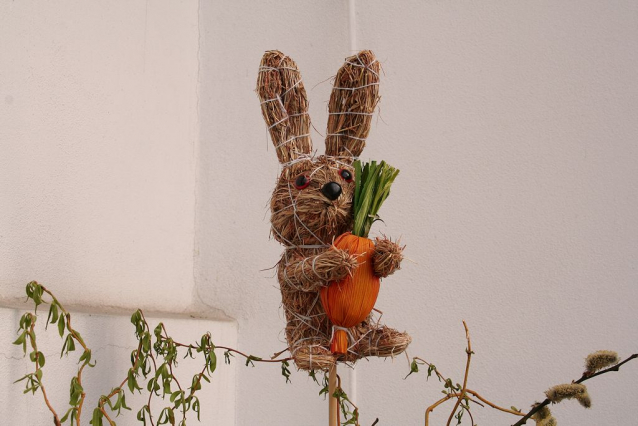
(153, 364)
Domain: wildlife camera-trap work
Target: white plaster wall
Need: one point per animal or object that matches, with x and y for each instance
(98, 127)
(514, 126)
(98, 131)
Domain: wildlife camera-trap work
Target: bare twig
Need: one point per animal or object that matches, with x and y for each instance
(491, 404)
(467, 371)
(436, 404)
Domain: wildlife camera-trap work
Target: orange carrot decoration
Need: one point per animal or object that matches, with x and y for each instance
(348, 302)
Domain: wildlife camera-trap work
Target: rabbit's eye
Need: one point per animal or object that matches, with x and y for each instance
(346, 175)
(302, 181)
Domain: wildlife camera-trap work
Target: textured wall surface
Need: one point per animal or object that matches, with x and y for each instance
(514, 124)
(136, 171)
(98, 129)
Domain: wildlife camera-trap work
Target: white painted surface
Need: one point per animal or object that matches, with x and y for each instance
(513, 124)
(98, 128)
(98, 125)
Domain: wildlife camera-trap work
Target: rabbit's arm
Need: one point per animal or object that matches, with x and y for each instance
(313, 272)
(387, 257)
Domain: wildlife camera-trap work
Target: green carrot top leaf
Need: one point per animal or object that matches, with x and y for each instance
(372, 187)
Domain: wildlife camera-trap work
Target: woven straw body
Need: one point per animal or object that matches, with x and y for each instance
(306, 221)
(348, 302)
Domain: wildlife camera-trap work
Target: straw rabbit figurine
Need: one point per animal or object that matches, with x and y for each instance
(312, 205)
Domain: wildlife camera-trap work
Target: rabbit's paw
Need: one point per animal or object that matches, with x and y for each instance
(342, 263)
(387, 257)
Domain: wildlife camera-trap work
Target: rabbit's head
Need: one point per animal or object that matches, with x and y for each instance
(312, 202)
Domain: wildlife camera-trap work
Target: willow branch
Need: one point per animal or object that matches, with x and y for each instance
(436, 404)
(56, 419)
(75, 335)
(467, 371)
(252, 357)
(583, 378)
(491, 404)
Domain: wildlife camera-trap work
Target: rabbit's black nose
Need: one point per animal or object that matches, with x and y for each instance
(331, 190)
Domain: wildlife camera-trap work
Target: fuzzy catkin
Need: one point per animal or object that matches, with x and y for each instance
(600, 359)
(543, 417)
(568, 391)
(542, 414)
(584, 400)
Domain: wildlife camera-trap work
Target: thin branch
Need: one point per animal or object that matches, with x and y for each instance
(467, 371)
(80, 341)
(276, 354)
(491, 404)
(252, 357)
(436, 404)
(583, 378)
(436, 370)
(56, 419)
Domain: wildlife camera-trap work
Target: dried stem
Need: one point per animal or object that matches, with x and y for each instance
(491, 404)
(436, 404)
(467, 371)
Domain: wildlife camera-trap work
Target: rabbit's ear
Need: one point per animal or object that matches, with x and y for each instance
(354, 97)
(284, 105)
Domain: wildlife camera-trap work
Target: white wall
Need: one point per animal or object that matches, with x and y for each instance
(136, 171)
(98, 131)
(513, 124)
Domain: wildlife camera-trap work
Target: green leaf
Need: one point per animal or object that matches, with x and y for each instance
(97, 417)
(21, 338)
(211, 360)
(75, 392)
(53, 314)
(72, 412)
(285, 371)
(414, 368)
(132, 382)
(250, 359)
(195, 406)
(61, 325)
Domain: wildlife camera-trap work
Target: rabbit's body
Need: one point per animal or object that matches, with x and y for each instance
(312, 205)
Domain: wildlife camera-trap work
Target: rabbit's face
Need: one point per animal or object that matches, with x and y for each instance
(312, 203)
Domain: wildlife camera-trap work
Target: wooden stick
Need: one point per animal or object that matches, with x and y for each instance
(332, 401)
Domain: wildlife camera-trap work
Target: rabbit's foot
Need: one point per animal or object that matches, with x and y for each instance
(382, 342)
(313, 357)
(387, 257)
